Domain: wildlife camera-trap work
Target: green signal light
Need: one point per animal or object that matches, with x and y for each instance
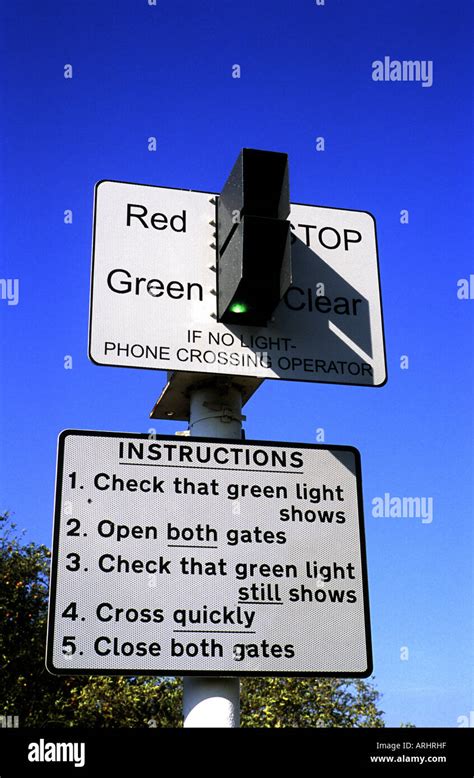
(238, 308)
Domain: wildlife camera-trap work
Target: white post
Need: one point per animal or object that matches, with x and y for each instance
(215, 412)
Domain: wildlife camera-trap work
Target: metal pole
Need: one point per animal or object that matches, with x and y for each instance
(216, 412)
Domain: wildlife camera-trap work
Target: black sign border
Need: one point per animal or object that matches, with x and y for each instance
(230, 673)
(204, 373)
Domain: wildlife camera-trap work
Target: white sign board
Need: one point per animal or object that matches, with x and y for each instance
(153, 292)
(181, 556)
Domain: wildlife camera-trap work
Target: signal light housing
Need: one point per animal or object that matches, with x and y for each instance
(253, 238)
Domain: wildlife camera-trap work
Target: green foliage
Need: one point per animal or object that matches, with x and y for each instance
(39, 699)
(105, 701)
(309, 702)
(26, 689)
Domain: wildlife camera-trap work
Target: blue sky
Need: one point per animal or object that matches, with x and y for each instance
(166, 71)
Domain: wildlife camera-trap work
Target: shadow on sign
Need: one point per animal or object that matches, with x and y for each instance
(347, 459)
(348, 311)
(327, 319)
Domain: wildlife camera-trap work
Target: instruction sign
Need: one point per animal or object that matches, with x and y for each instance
(175, 556)
(153, 292)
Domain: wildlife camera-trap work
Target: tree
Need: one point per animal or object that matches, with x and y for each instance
(26, 689)
(118, 701)
(39, 699)
(309, 702)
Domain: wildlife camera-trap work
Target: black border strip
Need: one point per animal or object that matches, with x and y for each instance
(172, 438)
(266, 378)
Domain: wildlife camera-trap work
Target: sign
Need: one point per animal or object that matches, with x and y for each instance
(176, 556)
(154, 296)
